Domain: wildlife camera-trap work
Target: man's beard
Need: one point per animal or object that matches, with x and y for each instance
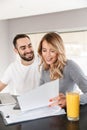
(30, 58)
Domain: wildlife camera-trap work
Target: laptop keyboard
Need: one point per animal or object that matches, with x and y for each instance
(6, 98)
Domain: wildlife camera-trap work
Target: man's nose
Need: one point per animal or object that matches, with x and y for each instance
(28, 49)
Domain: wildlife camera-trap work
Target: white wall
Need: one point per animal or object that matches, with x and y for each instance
(4, 46)
(61, 21)
(74, 19)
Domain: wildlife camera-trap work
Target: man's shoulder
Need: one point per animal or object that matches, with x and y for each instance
(36, 61)
(13, 64)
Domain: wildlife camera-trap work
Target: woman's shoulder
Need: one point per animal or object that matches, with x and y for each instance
(44, 71)
(72, 64)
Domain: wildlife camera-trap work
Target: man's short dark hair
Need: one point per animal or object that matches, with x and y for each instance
(18, 36)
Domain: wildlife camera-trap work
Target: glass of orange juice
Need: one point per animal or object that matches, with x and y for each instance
(72, 104)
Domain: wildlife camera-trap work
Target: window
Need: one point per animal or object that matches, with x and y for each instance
(75, 45)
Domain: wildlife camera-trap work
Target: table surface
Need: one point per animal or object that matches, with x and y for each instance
(51, 123)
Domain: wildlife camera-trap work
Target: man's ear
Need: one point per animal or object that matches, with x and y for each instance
(16, 51)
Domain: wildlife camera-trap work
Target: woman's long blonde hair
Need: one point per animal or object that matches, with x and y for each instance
(54, 39)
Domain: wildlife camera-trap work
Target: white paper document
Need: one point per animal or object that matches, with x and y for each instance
(11, 116)
(39, 97)
(34, 105)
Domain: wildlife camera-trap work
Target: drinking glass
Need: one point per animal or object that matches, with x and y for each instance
(72, 104)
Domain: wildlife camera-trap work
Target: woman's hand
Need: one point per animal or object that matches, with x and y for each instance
(59, 100)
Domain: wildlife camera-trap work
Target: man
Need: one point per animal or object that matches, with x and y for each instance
(22, 75)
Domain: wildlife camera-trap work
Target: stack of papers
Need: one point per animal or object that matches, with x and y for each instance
(11, 116)
(39, 97)
(33, 104)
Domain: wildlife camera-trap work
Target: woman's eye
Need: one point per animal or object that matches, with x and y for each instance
(43, 50)
(52, 51)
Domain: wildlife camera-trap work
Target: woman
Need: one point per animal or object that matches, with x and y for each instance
(55, 65)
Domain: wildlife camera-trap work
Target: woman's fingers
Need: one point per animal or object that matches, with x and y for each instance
(53, 99)
(61, 103)
(59, 100)
(59, 97)
(53, 104)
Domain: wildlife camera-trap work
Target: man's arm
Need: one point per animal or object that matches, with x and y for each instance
(2, 86)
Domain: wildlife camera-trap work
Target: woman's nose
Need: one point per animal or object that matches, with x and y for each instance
(48, 53)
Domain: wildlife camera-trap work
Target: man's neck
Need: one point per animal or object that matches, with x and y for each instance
(26, 63)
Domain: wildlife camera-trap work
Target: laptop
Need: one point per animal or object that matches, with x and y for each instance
(7, 99)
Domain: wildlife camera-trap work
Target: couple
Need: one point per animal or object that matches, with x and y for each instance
(24, 75)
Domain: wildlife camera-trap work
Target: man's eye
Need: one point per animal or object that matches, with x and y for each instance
(29, 46)
(22, 48)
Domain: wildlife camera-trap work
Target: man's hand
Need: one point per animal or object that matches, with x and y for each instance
(59, 100)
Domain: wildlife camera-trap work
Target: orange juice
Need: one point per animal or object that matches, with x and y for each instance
(72, 101)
